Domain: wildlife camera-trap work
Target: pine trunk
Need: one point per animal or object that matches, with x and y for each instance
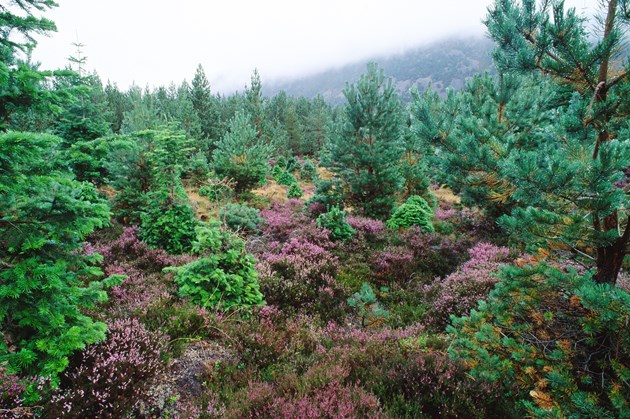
(610, 258)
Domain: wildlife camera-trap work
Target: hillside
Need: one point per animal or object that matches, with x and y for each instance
(443, 64)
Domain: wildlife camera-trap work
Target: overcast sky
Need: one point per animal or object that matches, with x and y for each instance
(155, 42)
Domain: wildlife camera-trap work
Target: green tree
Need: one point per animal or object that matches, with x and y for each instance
(22, 84)
(206, 108)
(85, 118)
(555, 340)
(142, 113)
(549, 151)
(368, 146)
(592, 85)
(45, 280)
(317, 126)
(472, 133)
(118, 104)
(255, 105)
(241, 155)
(186, 115)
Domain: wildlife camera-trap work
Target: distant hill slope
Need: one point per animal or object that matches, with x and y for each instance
(443, 64)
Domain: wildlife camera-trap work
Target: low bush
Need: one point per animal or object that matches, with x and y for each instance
(416, 211)
(169, 225)
(286, 178)
(334, 221)
(328, 193)
(241, 218)
(295, 191)
(369, 309)
(108, 379)
(224, 275)
(217, 190)
(308, 171)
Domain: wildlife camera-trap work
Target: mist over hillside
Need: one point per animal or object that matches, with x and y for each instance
(443, 64)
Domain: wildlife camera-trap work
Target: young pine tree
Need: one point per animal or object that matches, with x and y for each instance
(366, 150)
(575, 190)
(241, 155)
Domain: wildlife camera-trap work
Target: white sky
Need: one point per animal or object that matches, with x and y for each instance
(156, 42)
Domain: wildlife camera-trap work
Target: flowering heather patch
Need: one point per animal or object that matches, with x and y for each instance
(13, 391)
(459, 292)
(300, 275)
(271, 337)
(372, 229)
(312, 233)
(108, 379)
(128, 248)
(319, 393)
(145, 284)
(432, 385)
(283, 218)
(393, 263)
(442, 214)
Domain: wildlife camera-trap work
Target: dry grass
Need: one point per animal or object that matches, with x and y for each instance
(204, 209)
(108, 191)
(324, 174)
(272, 191)
(445, 194)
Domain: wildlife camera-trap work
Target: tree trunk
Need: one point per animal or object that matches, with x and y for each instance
(610, 258)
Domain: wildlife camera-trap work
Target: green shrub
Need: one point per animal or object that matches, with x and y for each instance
(169, 225)
(328, 193)
(556, 340)
(295, 191)
(286, 178)
(335, 221)
(370, 310)
(292, 164)
(239, 217)
(281, 163)
(416, 211)
(277, 171)
(224, 276)
(308, 171)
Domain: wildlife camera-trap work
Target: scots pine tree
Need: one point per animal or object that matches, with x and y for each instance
(142, 113)
(241, 155)
(206, 109)
(546, 153)
(118, 103)
(366, 149)
(474, 132)
(572, 189)
(255, 106)
(186, 115)
(317, 126)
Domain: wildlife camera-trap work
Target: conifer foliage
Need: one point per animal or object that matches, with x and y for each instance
(547, 154)
(241, 155)
(578, 203)
(44, 216)
(367, 147)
